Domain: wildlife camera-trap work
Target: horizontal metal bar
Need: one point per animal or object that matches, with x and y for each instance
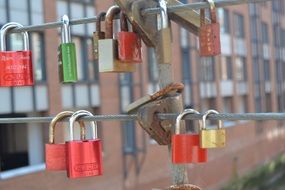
(51, 25)
(200, 5)
(184, 7)
(164, 116)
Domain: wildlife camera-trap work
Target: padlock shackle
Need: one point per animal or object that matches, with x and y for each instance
(213, 15)
(60, 117)
(3, 32)
(112, 11)
(76, 116)
(180, 117)
(204, 118)
(163, 14)
(124, 22)
(65, 30)
(98, 21)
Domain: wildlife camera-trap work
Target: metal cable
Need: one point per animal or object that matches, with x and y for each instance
(170, 9)
(164, 116)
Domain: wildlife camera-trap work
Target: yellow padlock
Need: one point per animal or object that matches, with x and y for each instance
(212, 138)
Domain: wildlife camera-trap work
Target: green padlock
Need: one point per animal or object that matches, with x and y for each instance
(67, 54)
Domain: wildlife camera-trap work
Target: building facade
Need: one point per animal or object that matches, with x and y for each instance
(247, 77)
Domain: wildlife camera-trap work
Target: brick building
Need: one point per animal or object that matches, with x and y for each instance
(247, 77)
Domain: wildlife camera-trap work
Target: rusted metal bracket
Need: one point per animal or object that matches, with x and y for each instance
(190, 20)
(159, 130)
(146, 26)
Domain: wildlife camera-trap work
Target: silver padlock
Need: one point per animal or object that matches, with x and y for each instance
(163, 47)
(108, 48)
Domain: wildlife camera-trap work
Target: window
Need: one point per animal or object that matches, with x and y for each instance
(77, 11)
(266, 68)
(264, 31)
(283, 38)
(207, 69)
(253, 9)
(79, 58)
(3, 11)
(38, 56)
(224, 19)
(243, 104)
(13, 147)
(186, 64)
(226, 68)
(19, 11)
(21, 146)
(258, 104)
(37, 11)
(184, 38)
(152, 67)
(276, 35)
(268, 102)
(126, 90)
(278, 71)
(93, 72)
(253, 27)
(256, 70)
(228, 105)
(241, 71)
(129, 137)
(239, 25)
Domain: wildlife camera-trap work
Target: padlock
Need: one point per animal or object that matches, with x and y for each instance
(55, 154)
(108, 48)
(98, 34)
(209, 36)
(16, 67)
(84, 157)
(163, 47)
(212, 138)
(185, 147)
(67, 54)
(129, 43)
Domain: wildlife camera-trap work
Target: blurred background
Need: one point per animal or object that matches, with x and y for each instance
(249, 76)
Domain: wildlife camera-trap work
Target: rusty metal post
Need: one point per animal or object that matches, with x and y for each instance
(179, 172)
(146, 26)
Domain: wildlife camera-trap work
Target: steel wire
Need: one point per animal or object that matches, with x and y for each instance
(162, 116)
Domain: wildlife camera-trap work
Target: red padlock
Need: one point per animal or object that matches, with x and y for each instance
(16, 68)
(84, 157)
(186, 147)
(209, 36)
(129, 43)
(55, 154)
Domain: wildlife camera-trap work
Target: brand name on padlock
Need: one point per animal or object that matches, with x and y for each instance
(14, 76)
(6, 58)
(86, 167)
(16, 67)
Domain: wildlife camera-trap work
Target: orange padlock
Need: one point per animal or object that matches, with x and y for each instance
(129, 43)
(209, 36)
(55, 154)
(186, 147)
